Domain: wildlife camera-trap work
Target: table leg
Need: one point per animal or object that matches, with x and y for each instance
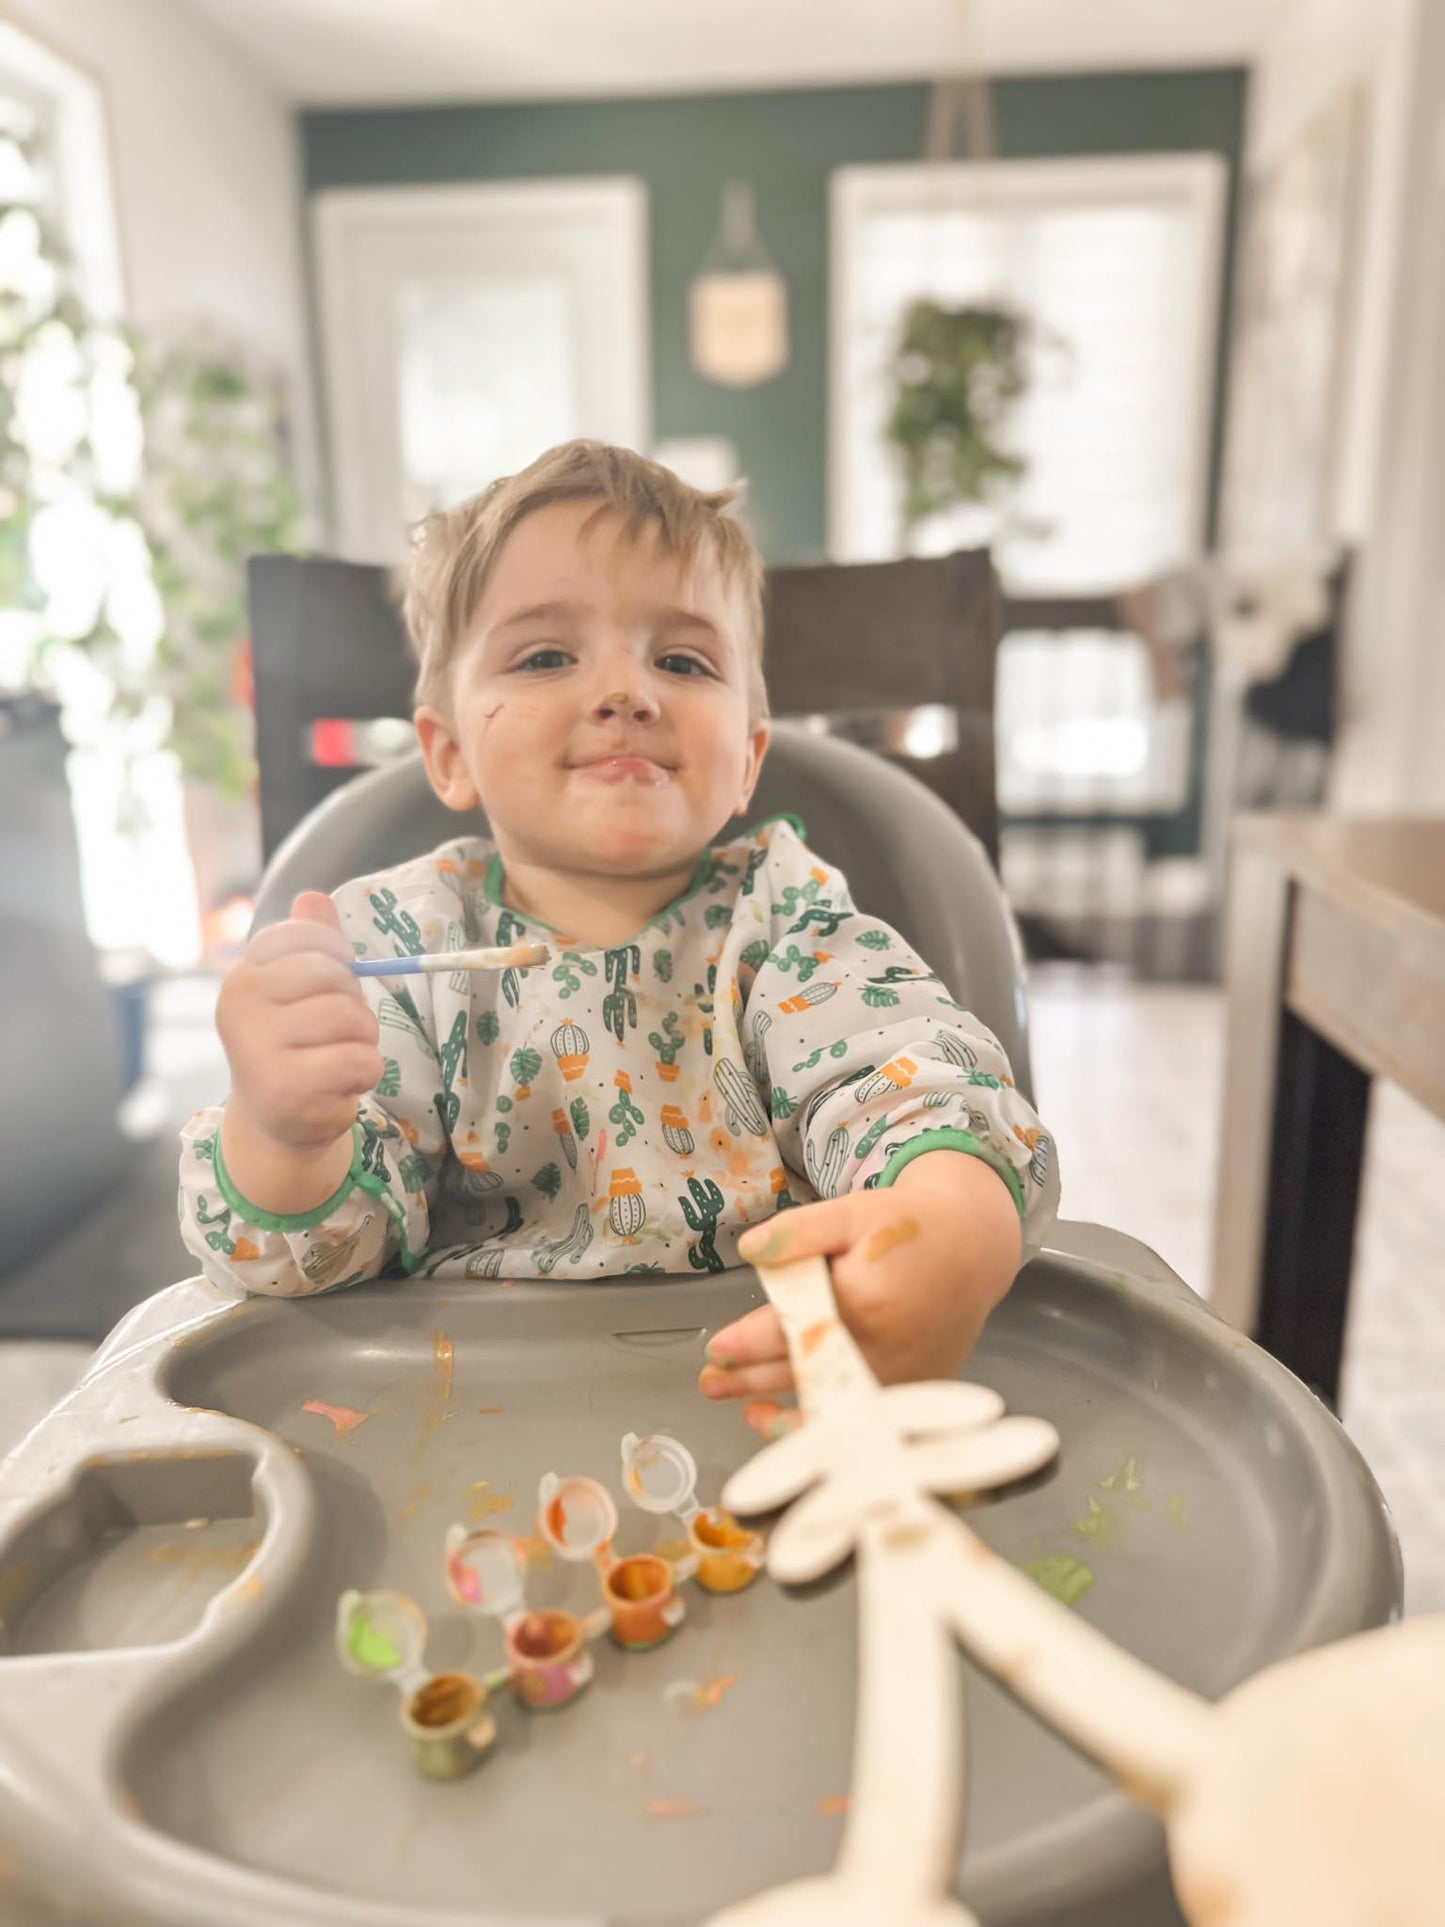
(1321, 1102)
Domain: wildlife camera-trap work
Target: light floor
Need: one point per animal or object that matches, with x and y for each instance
(1128, 1078)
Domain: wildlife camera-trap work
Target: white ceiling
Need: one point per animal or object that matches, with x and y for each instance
(378, 52)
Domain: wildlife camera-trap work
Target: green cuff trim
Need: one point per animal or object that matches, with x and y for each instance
(287, 1221)
(948, 1139)
(372, 1185)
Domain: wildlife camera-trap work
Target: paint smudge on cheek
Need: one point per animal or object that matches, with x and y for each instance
(888, 1237)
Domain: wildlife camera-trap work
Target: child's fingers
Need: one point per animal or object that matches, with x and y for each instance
(314, 906)
(744, 1381)
(751, 1340)
(298, 934)
(821, 1230)
(771, 1420)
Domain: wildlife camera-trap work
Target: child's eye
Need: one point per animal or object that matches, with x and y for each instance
(677, 665)
(548, 658)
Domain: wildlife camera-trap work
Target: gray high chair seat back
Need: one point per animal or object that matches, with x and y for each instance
(907, 857)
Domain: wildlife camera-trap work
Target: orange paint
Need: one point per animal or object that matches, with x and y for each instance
(483, 1503)
(813, 1337)
(245, 1250)
(710, 1694)
(833, 1803)
(345, 1418)
(446, 1359)
(673, 1809)
(490, 1411)
(557, 1519)
(889, 1236)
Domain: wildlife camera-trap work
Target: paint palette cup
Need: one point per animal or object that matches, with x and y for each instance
(729, 1556)
(548, 1656)
(449, 1725)
(642, 1600)
(659, 1474)
(382, 1635)
(577, 1518)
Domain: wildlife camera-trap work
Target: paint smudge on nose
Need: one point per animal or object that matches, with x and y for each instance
(888, 1237)
(345, 1418)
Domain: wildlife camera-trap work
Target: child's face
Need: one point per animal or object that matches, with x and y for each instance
(599, 703)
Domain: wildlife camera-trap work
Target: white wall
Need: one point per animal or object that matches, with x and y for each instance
(1389, 497)
(206, 163)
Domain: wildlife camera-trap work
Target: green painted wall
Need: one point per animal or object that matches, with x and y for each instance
(787, 145)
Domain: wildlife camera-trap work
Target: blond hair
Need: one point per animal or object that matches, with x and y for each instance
(454, 551)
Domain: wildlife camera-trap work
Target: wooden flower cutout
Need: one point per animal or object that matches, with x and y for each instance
(873, 1454)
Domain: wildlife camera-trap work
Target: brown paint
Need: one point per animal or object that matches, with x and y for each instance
(444, 1699)
(545, 1635)
(15, 1583)
(888, 1237)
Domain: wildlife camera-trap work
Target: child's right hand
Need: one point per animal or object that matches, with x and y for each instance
(300, 1037)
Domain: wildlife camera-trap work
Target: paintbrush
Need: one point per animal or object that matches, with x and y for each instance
(512, 956)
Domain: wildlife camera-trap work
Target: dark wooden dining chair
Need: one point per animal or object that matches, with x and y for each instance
(848, 641)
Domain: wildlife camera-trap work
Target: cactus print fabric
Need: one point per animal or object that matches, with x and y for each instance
(760, 1044)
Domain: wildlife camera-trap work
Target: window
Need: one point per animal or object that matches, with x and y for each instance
(1118, 263)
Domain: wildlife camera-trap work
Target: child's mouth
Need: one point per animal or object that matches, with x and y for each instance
(626, 769)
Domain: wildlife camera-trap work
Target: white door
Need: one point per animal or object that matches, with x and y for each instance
(465, 329)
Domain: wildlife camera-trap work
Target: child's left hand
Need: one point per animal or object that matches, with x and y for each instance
(917, 1269)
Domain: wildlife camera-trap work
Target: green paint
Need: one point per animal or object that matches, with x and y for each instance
(1174, 1506)
(1100, 1525)
(1126, 1479)
(371, 1647)
(1067, 1579)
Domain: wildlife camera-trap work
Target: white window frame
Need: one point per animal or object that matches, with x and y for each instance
(1198, 180)
(365, 442)
(74, 104)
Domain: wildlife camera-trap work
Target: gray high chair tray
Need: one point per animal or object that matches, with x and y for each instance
(179, 1744)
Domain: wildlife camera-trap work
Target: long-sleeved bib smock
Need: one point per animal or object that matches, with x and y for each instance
(761, 1043)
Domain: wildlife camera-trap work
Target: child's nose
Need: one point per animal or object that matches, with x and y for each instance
(626, 695)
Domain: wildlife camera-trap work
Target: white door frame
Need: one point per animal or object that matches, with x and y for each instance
(597, 228)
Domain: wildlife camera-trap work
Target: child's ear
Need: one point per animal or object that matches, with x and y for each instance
(757, 749)
(445, 767)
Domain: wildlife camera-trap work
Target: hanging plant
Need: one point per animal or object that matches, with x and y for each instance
(958, 375)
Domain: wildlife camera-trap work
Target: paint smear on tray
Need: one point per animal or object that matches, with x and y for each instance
(483, 1503)
(692, 1696)
(446, 1362)
(832, 1803)
(1126, 1479)
(345, 1418)
(1067, 1579)
(1174, 1506)
(420, 1493)
(674, 1810)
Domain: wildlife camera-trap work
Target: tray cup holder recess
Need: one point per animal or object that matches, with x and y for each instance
(130, 1554)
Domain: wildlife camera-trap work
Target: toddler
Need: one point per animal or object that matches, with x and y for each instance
(720, 1035)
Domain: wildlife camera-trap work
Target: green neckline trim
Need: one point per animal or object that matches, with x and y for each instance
(286, 1221)
(782, 816)
(496, 876)
(948, 1139)
(492, 891)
